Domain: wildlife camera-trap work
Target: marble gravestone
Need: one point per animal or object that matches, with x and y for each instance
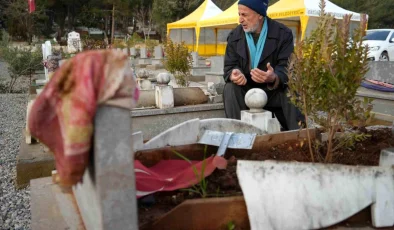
(158, 52)
(195, 59)
(133, 52)
(164, 93)
(217, 64)
(46, 53)
(125, 51)
(256, 99)
(74, 44)
(198, 69)
(144, 60)
(107, 195)
(157, 62)
(215, 75)
(314, 196)
(143, 53)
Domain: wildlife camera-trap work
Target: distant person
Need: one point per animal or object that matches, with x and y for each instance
(257, 56)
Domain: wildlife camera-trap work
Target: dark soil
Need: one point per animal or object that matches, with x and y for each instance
(225, 183)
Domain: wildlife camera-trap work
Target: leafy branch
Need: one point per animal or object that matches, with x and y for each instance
(325, 72)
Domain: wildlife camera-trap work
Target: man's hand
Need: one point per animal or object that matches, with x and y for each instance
(237, 77)
(260, 76)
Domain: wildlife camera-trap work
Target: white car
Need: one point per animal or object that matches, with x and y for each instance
(381, 44)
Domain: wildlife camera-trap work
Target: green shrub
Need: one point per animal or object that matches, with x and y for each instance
(178, 61)
(21, 61)
(134, 40)
(93, 44)
(325, 72)
(119, 43)
(150, 45)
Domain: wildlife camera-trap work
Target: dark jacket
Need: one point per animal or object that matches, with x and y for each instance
(277, 50)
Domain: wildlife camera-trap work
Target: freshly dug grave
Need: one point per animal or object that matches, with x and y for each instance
(224, 183)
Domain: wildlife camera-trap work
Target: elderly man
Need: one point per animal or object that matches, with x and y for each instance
(257, 56)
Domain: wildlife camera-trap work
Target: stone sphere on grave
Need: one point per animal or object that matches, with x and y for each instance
(146, 84)
(143, 74)
(163, 78)
(256, 99)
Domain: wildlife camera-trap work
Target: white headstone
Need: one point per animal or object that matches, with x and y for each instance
(44, 58)
(143, 53)
(133, 52)
(256, 99)
(158, 52)
(74, 44)
(48, 49)
(195, 59)
(46, 52)
(217, 64)
(164, 96)
(125, 51)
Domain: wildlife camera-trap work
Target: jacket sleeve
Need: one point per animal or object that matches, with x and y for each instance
(230, 60)
(285, 51)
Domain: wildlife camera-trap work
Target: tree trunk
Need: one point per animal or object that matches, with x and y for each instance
(113, 24)
(68, 17)
(307, 131)
(106, 25)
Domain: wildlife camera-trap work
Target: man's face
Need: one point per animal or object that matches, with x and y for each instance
(248, 18)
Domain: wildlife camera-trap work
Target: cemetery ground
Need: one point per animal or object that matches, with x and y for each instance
(14, 204)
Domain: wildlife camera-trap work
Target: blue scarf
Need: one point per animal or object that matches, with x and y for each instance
(255, 52)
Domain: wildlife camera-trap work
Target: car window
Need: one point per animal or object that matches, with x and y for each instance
(392, 36)
(377, 35)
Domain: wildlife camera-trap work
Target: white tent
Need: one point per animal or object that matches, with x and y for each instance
(313, 9)
(302, 15)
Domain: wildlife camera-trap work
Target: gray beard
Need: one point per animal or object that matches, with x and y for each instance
(253, 29)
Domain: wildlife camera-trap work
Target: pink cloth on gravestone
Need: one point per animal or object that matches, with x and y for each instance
(62, 116)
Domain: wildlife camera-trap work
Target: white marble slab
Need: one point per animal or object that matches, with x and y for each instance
(182, 134)
(288, 196)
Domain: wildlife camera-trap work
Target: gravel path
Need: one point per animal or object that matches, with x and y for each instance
(3, 71)
(14, 204)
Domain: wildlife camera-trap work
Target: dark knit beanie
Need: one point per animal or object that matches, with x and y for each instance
(260, 6)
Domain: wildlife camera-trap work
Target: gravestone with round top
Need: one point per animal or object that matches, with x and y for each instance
(256, 99)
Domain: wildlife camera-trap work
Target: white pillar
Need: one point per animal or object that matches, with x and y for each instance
(256, 99)
(164, 93)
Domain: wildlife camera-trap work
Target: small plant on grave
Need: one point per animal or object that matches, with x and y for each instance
(21, 61)
(178, 61)
(93, 44)
(230, 225)
(134, 40)
(201, 187)
(325, 71)
(119, 43)
(150, 45)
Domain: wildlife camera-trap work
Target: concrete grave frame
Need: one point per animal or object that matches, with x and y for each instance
(109, 180)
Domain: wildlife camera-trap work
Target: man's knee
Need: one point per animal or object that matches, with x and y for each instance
(232, 89)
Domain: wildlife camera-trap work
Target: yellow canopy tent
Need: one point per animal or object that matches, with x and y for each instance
(223, 23)
(299, 15)
(227, 19)
(206, 10)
